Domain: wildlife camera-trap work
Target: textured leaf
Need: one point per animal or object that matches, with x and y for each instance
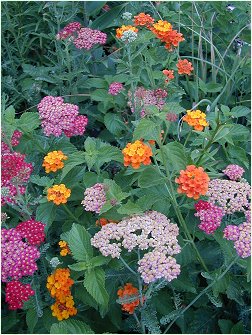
(31, 319)
(108, 19)
(114, 124)
(129, 208)
(100, 95)
(238, 328)
(240, 111)
(147, 130)
(46, 213)
(150, 177)
(28, 122)
(79, 266)
(73, 160)
(70, 327)
(225, 326)
(41, 181)
(175, 156)
(94, 282)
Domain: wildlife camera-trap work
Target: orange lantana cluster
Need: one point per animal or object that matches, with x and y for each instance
(129, 298)
(102, 222)
(193, 182)
(184, 67)
(53, 161)
(163, 30)
(169, 75)
(64, 248)
(58, 194)
(59, 284)
(143, 19)
(120, 31)
(196, 119)
(137, 153)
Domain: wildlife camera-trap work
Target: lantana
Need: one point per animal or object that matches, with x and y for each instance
(115, 88)
(94, 198)
(137, 153)
(64, 248)
(53, 161)
(184, 67)
(169, 75)
(231, 196)
(233, 171)
(143, 19)
(87, 38)
(123, 28)
(163, 30)
(64, 308)
(193, 182)
(102, 222)
(128, 298)
(33, 231)
(58, 194)
(17, 293)
(152, 232)
(210, 216)
(196, 119)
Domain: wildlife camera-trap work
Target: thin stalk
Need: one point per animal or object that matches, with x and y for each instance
(187, 137)
(201, 293)
(71, 214)
(127, 266)
(188, 88)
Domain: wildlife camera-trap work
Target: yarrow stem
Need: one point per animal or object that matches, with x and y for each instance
(127, 266)
(70, 213)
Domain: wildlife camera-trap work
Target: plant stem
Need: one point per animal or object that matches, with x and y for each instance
(127, 266)
(201, 293)
(71, 214)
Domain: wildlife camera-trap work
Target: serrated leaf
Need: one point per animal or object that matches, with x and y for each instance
(41, 181)
(71, 327)
(222, 132)
(78, 240)
(147, 130)
(114, 124)
(46, 213)
(238, 328)
(79, 266)
(175, 156)
(150, 177)
(73, 160)
(94, 282)
(99, 261)
(28, 122)
(100, 95)
(129, 208)
(95, 82)
(31, 319)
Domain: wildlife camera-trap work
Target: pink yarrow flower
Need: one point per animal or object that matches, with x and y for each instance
(87, 38)
(115, 88)
(233, 171)
(209, 215)
(68, 30)
(241, 235)
(32, 231)
(17, 293)
(94, 198)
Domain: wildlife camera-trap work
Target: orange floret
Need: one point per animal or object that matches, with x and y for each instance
(59, 283)
(53, 161)
(163, 30)
(193, 182)
(102, 222)
(120, 31)
(143, 19)
(130, 294)
(169, 74)
(64, 308)
(196, 119)
(137, 153)
(58, 194)
(184, 67)
(64, 248)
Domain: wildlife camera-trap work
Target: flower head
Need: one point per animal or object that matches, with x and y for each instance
(33, 231)
(169, 75)
(94, 198)
(115, 88)
(137, 153)
(241, 235)
(59, 283)
(64, 308)
(193, 182)
(196, 119)
(126, 16)
(58, 194)
(143, 19)
(87, 38)
(128, 36)
(17, 293)
(78, 126)
(128, 298)
(210, 216)
(163, 31)
(184, 67)
(233, 171)
(53, 161)
(64, 248)
(123, 28)
(102, 222)
(68, 31)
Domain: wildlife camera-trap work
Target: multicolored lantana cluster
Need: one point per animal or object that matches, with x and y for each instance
(82, 37)
(196, 119)
(234, 172)
(59, 117)
(184, 67)
(58, 194)
(94, 198)
(210, 216)
(115, 88)
(128, 297)
(152, 232)
(123, 28)
(137, 153)
(64, 248)
(59, 284)
(53, 161)
(193, 182)
(231, 196)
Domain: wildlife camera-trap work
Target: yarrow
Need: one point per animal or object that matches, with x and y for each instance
(68, 30)
(115, 88)
(151, 231)
(59, 117)
(184, 67)
(53, 161)
(128, 36)
(18, 258)
(196, 119)
(137, 153)
(126, 16)
(94, 198)
(123, 28)
(163, 31)
(143, 19)
(241, 235)
(87, 38)
(210, 216)
(17, 293)
(32, 231)
(193, 182)
(64, 248)
(233, 171)
(231, 196)
(128, 298)
(15, 138)
(171, 117)
(58, 194)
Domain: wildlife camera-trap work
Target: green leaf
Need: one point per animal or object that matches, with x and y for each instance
(46, 213)
(73, 160)
(173, 107)
(108, 19)
(99, 261)
(114, 124)
(150, 177)
(100, 95)
(95, 82)
(147, 130)
(240, 111)
(70, 326)
(238, 154)
(129, 208)
(240, 133)
(225, 326)
(210, 87)
(41, 181)
(114, 191)
(234, 292)
(82, 294)
(78, 240)
(31, 319)
(94, 282)
(28, 122)
(238, 328)
(175, 156)
(9, 115)
(79, 266)
(222, 132)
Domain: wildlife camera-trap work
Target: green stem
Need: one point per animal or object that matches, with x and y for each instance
(187, 138)
(127, 266)
(201, 293)
(71, 214)
(188, 88)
